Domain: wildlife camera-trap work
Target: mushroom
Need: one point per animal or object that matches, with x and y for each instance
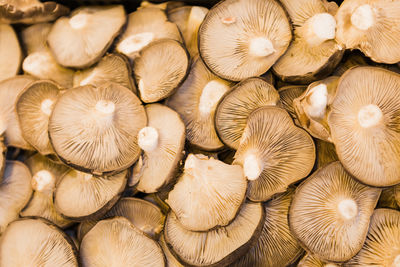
(162, 142)
(117, 241)
(159, 69)
(239, 39)
(144, 215)
(217, 247)
(330, 213)
(80, 40)
(365, 126)
(94, 129)
(36, 242)
(287, 94)
(274, 153)
(15, 192)
(145, 26)
(196, 101)
(372, 27)
(236, 105)
(10, 51)
(381, 247)
(34, 107)
(313, 53)
(30, 11)
(81, 196)
(45, 178)
(39, 61)
(310, 260)
(208, 194)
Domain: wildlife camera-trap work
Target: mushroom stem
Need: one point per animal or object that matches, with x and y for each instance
(317, 102)
(369, 116)
(396, 261)
(105, 107)
(210, 96)
(261, 47)
(196, 17)
(252, 166)
(43, 181)
(348, 208)
(363, 17)
(135, 43)
(148, 138)
(47, 106)
(78, 21)
(318, 29)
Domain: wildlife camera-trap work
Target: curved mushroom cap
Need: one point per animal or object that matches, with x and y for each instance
(111, 68)
(381, 248)
(81, 40)
(365, 125)
(330, 213)
(274, 152)
(34, 107)
(145, 26)
(196, 101)
(95, 129)
(276, 245)
(115, 241)
(326, 153)
(371, 26)
(159, 69)
(218, 247)
(9, 91)
(188, 19)
(81, 196)
(170, 259)
(10, 52)
(15, 192)
(237, 104)
(36, 242)
(143, 214)
(45, 177)
(163, 141)
(313, 53)
(208, 194)
(312, 107)
(30, 11)
(239, 39)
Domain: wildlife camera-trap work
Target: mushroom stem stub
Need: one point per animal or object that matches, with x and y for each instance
(348, 208)
(261, 47)
(252, 166)
(47, 106)
(210, 96)
(317, 100)
(363, 17)
(148, 138)
(319, 28)
(78, 21)
(105, 107)
(396, 261)
(369, 116)
(42, 181)
(135, 42)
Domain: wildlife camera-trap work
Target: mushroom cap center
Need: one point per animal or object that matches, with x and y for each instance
(323, 25)
(148, 138)
(252, 166)
(47, 106)
(210, 96)
(396, 261)
(348, 208)
(261, 47)
(363, 17)
(78, 21)
(369, 116)
(135, 43)
(105, 107)
(43, 180)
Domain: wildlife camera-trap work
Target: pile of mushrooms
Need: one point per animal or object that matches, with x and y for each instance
(200, 133)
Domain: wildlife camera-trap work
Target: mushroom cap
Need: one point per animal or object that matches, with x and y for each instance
(10, 52)
(95, 129)
(330, 213)
(364, 123)
(236, 44)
